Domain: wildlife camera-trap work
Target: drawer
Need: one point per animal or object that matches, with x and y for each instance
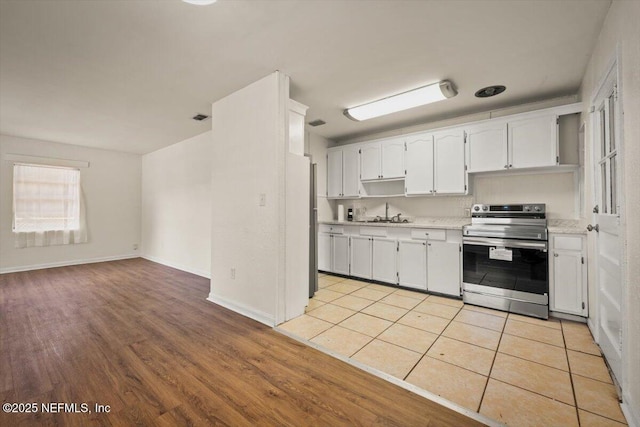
(428, 234)
(568, 243)
(332, 229)
(373, 231)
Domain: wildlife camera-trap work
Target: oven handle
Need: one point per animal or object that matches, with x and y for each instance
(523, 244)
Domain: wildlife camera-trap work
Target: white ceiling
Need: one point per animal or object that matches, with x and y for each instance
(129, 75)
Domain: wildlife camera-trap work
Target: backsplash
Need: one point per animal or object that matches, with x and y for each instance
(557, 190)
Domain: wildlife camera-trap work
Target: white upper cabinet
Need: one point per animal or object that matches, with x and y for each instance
(419, 163)
(334, 173)
(370, 161)
(382, 160)
(487, 147)
(533, 142)
(392, 158)
(350, 172)
(448, 162)
(342, 172)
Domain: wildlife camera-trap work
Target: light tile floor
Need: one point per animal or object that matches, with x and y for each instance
(515, 369)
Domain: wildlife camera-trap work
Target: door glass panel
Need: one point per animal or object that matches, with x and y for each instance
(603, 184)
(603, 131)
(611, 119)
(613, 190)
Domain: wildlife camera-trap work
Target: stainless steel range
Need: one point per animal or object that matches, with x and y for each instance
(505, 262)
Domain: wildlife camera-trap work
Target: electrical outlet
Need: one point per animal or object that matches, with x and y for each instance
(263, 199)
(467, 212)
(233, 273)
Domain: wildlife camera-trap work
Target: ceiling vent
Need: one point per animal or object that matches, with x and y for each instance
(200, 117)
(317, 123)
(490, 91)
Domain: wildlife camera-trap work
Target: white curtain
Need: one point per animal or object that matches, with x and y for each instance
(47, 206)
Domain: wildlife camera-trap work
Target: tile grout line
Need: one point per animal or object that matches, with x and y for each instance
(495, 354)
(434, 341)
(573, 386)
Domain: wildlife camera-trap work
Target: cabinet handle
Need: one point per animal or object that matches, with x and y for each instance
(510, 166)
(506, 166)
(426, 234)
(555, 254)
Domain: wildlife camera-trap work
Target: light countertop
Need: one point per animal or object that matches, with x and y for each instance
(448, 223)
(560, 226)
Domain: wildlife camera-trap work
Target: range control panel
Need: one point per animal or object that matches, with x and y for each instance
(507, 210)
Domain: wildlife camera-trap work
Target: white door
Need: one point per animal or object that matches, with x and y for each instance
(607, 121)
(419, 162)
(350, 172)
(533, 142)
(392, 158)
(443, 268)
(340, 254)
(370, 161)
(361, 256)
(487, 147)
(412, 264)
(334, 173)
(324, 252)
(384, 260)
(448, 153)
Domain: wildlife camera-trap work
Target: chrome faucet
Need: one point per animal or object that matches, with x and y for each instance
(386, 212)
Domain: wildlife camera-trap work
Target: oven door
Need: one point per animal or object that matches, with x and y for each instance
(514, 268)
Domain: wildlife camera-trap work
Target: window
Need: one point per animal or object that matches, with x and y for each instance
(47, 205)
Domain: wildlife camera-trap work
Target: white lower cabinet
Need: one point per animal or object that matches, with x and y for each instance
(568, 275)
(412, 264)
(443, 268)
(361, 247)
(340, 254)
(384, 260)
(324, 251)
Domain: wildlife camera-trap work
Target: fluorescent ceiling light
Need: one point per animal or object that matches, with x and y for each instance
(404, 101)
(200, 2)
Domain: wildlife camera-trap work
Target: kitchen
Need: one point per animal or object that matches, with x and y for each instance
(490, 262)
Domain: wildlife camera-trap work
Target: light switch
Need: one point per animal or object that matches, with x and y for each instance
(263, 199)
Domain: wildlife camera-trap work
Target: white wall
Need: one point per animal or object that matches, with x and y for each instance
(247, 161)
(621, 33)
(176, 205)
(111, 186)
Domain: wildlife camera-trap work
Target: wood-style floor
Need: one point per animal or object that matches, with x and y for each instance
(140, 337)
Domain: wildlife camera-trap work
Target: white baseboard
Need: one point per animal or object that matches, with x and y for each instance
(65, 263)
(249, 312)
(196, 271)
(631, 413)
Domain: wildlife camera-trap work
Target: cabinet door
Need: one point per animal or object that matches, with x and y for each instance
(448, 153)
(419, 162)
(361, 256)
(370, 161)
(384, 260)
(533, 142)
(340, 254)
(567, 293)
(443, 268)
(324, 252)
(392, 158)
(334, 173)
(487, 147)
(412, 264)
(350, 172)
